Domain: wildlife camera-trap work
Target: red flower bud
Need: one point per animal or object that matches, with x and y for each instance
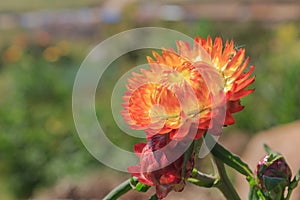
(166, 178)
(273, 172)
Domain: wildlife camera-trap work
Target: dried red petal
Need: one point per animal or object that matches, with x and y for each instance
(165, 178)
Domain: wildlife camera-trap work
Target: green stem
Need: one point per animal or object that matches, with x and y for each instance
(290, 190)
(203, 180)
(121, 189)
(293, 185)
(224, 184)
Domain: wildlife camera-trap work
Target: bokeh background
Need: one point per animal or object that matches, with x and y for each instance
(42, 44)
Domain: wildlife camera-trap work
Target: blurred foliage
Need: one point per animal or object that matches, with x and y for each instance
(15, 5)
(276, 99)
(38, 141)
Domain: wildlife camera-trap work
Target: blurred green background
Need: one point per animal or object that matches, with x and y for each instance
(43, 43)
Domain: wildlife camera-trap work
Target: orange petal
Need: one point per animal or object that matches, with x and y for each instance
(240, 94)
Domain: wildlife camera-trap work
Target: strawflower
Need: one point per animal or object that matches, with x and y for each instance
(196, 87)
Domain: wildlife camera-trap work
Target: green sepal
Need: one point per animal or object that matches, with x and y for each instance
(269, 150)
(273, 155)
(274, 182)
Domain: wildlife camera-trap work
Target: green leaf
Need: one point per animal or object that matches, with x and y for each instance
(229, 158)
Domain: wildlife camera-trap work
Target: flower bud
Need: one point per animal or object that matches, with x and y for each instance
(165, 178)
(273, 174)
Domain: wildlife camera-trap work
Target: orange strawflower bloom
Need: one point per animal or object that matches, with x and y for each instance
(188, 89)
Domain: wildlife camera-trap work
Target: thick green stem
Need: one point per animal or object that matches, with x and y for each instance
(224, 184)
(120, 189)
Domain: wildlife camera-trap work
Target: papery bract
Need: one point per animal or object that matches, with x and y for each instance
(231, 64)
(200, 86)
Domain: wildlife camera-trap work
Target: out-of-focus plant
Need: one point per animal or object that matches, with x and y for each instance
(279, 79)
(37, 133)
